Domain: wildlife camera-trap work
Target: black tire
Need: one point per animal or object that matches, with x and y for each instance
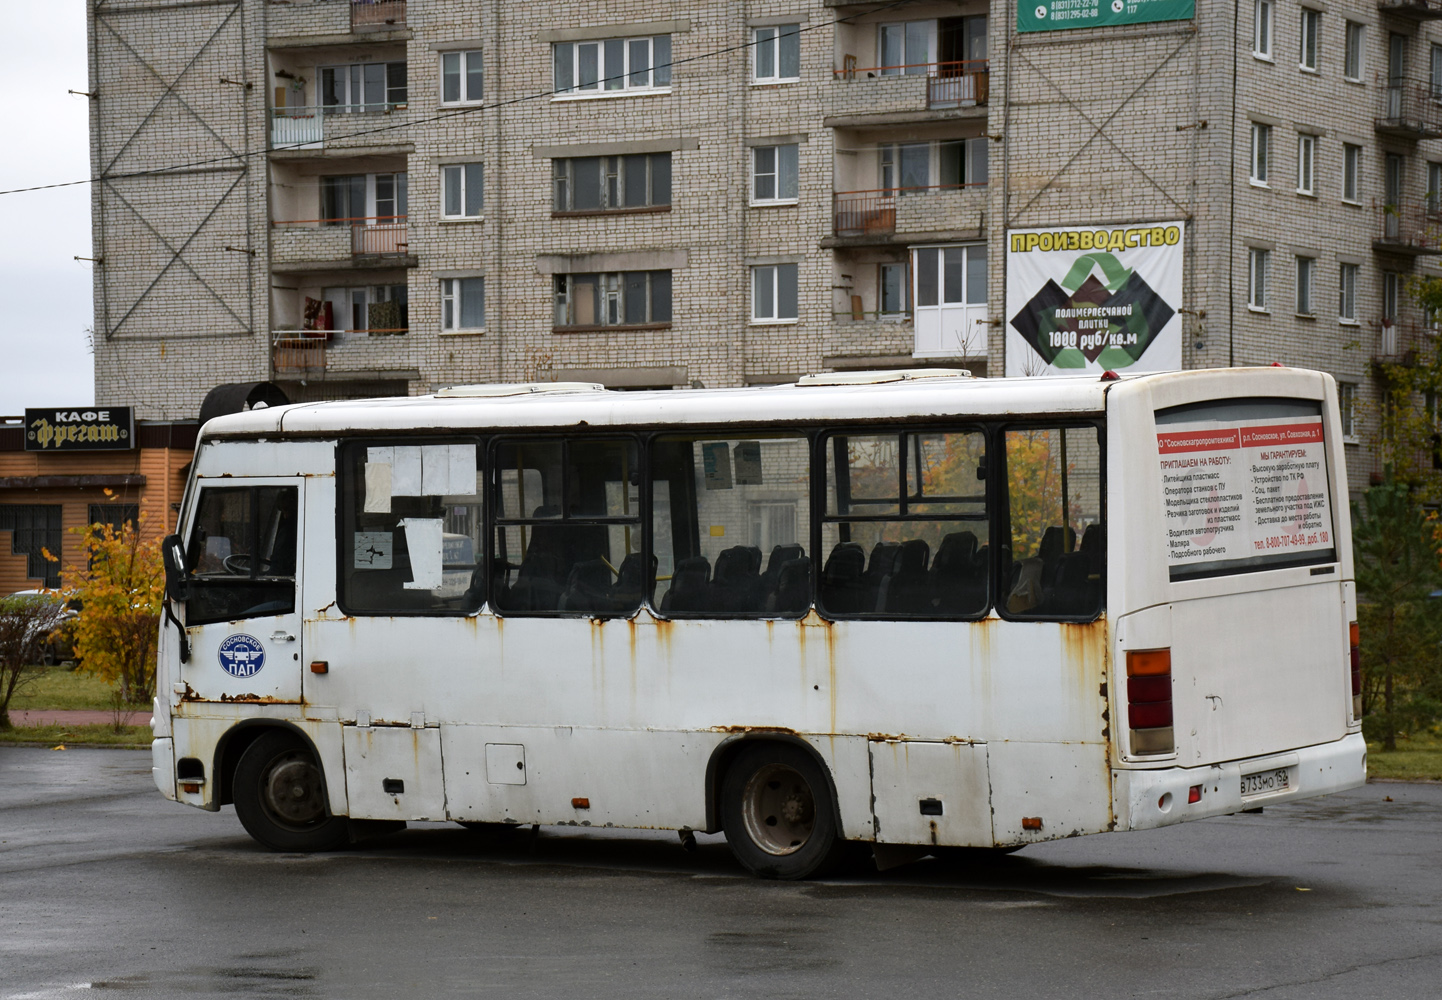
(777, 812)
(279, 793)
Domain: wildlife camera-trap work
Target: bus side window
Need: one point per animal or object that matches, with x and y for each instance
(242, 554)
(1054, 563)
(568, 528)
(906, 525)
(412, 531)
(730, 522)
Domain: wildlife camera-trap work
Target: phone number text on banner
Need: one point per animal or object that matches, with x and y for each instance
(1061, 15)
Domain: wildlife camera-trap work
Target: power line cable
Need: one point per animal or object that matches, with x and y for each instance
(155, 171)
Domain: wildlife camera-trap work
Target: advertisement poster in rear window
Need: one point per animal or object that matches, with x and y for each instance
(1244, 486)
(1081, 300)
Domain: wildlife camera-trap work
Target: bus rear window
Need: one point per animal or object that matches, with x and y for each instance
(1244, 486)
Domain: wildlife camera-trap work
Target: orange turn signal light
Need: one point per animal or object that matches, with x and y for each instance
(580, 803)
(320, 666)
(1149, 662)
(1031, 822)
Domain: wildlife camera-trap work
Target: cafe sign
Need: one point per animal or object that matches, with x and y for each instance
(110, 428)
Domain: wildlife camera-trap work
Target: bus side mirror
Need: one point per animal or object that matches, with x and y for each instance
(177, 580)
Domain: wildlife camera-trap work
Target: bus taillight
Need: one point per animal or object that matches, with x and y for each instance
(1355, 635)
(1149, 701)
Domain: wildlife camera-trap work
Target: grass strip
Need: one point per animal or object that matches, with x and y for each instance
(95, 735)
(62, 688)
(1417, 758)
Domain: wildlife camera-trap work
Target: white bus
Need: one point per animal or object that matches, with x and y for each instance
(914, 610)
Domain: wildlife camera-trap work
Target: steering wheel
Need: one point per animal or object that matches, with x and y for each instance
(238, 564)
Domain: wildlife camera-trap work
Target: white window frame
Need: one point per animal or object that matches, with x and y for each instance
(463, 60)
(460, 175)
(1309, 31)
(761, 273)
(1261, 158)
(773, 36)
(1351, 173)
(1263, 29)
(1354, 49)
(452, 295)
(1307, 164)
(1258, 267)
(1306, 285)
(345, 298)
(906, 67)
(1434, 188)
(782, 163)
(1347, 409)
(351, 78)
(607, 75)
(1347, 293)
(1391, 296)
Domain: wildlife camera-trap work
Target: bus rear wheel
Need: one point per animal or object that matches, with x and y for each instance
(279, 794)
(777, 813)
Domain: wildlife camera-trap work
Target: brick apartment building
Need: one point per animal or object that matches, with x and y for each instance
(363, 198)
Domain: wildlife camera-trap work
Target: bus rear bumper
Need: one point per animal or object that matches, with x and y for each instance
(1148, 799)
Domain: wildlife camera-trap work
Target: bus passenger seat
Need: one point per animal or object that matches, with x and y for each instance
(881, 565)
(841, 578)
(631, 582)
(588, 588)
(780, 556)
(688, 585)
(538, 584)
(906, 590)
(957, 584)
(793, 587)
(736, 583)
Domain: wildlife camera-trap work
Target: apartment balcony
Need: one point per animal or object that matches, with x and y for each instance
(899, 215)
(1412, 10)
(312, 353)
(336, 127)
(1410, 110)
(898, 94)
(310, 244)
(1404, 343)
(1413, 228)
(377, 15)
(298, 353)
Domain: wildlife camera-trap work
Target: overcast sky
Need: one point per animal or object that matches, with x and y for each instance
(45, 295)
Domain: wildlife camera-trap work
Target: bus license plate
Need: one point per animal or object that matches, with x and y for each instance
(1266, 782)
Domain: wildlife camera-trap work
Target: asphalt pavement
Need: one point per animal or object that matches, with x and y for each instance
(108, 889)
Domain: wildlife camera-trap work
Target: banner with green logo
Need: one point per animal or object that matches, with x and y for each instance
(1082, 299)
(1059, 15)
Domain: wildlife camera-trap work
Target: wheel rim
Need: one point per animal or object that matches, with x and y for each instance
(779, 809)
(292, 791)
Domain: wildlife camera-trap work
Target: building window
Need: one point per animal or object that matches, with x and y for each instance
(612, 66)
(918, 166)
(462, 81)
(1434, 188)
(462, 191)
(625, 298)
(773, 293)
(1262, 29)
(776, 54)
(116, 515)
(1347, 297)
(774, 174)
(1306, 157)
(1311, 30)
(375, 310)
(1351, 170)
(1257, 262)
(1261, 152)
(362, 87)
(1306, 269)
(895, 291)
(351, 198)
(611, 183)
(35, 529)
(1347, 403)
(1434, 78)
(1352, 55)
(463, 303)
(905, 49)
(1391, 287)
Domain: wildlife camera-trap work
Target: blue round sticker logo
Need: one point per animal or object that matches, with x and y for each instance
(241, 655)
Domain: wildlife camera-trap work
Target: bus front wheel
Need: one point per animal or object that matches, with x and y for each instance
(777, 813)
(279, 794)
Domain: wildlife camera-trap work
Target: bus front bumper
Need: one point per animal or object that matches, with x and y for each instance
(162, 766)
(1146, 799)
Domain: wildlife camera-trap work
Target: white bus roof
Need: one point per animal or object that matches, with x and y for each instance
(818, 399)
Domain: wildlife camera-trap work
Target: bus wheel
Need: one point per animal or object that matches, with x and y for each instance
(280, 796)
(777, 813)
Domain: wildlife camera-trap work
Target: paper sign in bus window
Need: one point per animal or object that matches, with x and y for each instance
(716, 463)
(378, 487)
(406, 473)
(424, 540)
(748, 463)
(373, 549)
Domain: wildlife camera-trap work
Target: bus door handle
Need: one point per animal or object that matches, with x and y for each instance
(281, 636)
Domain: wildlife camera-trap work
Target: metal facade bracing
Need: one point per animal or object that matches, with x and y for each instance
(168, 80)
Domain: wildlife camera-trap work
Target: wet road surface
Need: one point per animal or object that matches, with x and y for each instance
(106, 889)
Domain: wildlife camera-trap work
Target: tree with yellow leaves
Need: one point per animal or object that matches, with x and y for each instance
(120, 589)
